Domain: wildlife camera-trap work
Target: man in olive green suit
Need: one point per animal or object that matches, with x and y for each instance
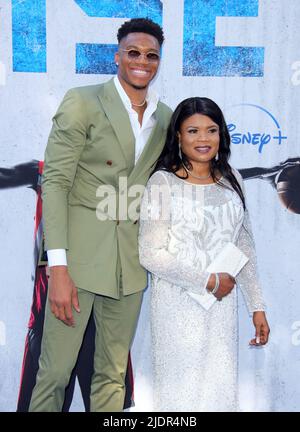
(103, 145)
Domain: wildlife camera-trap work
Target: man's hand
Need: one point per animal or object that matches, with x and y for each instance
(262, 329)
(62, 295)
(226, 285)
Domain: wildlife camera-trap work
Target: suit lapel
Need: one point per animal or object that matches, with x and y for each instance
(119, 120)
(152, 148)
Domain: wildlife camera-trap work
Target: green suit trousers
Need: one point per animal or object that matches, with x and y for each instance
(115, 326)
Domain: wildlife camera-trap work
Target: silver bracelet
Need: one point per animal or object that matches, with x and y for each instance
(217, 284)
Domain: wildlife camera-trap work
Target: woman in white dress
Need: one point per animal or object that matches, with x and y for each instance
(193, 206)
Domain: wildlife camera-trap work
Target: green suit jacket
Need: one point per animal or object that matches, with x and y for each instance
(91, 144)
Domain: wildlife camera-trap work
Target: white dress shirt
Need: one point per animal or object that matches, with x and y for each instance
(141, 133)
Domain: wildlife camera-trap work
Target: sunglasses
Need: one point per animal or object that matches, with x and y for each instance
(134, 54)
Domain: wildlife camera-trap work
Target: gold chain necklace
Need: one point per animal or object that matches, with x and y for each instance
(139, 105)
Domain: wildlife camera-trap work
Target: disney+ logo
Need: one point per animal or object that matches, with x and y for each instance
(270, 130)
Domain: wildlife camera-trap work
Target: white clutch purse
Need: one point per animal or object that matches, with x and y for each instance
(230, 260)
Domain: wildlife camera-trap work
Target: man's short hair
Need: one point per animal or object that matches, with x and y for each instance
(141, 25)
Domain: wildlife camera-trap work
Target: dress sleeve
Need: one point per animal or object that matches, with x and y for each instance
(155, 223)
(248, 279)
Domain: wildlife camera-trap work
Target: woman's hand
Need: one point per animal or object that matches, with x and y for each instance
(262, 329)
(226, 284)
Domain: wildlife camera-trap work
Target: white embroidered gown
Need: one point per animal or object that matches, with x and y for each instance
(194, 351)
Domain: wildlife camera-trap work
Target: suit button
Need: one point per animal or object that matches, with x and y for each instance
(109, 162)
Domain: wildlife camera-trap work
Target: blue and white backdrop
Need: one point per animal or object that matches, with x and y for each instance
(244, 55)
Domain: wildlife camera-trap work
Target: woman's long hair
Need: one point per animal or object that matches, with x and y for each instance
(169, 159)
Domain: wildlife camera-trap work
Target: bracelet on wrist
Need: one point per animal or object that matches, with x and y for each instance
(217, 284)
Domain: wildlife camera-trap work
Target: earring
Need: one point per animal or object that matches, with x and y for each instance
(117, 64)
(217, 157)
(179, 150)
